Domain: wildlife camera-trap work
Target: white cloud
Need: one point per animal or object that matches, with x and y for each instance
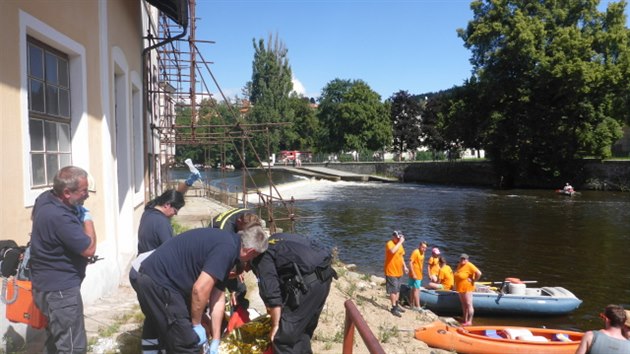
(298, 87)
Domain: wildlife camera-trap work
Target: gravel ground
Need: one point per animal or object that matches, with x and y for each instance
(113, 323)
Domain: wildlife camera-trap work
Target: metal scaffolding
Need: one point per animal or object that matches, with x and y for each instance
(178, 78)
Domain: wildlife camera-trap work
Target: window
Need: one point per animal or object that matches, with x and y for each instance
(49, 112)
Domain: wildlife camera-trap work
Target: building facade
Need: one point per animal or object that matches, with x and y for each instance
(72, 92)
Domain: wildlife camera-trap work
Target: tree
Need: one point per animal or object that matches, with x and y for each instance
(352, 117)
(302, 133)
(269, 93)
(433, 122)
(553, 74)
(405, 115)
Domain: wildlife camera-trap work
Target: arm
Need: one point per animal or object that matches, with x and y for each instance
(217, 309)
(275, 313)
(397, 246)
(88, 228)
(585, 343)
(200, 295)
(413, 273)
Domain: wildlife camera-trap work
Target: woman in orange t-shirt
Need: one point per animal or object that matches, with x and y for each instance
(445, 277)
(465, 277)
(434, 264)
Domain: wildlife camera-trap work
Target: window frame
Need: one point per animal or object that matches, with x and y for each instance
(31, 27)
(54, 124)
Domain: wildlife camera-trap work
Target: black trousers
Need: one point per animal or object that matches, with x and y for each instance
(150, 332)
(169, 312)
(297, 325)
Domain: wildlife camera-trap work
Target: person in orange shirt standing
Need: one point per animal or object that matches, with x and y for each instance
(465, 277)
(434, 264)
(416, 264)
(395, 267)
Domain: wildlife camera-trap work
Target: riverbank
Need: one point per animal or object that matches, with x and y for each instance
(114, 322)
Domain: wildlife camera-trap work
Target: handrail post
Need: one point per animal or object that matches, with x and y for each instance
(354, 319)
(348, 334)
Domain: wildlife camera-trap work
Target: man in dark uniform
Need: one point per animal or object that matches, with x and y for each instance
(185, 275)
(294, 278)
(229, 219)
(63, 240)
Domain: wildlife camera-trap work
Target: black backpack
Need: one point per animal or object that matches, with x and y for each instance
(10, 256)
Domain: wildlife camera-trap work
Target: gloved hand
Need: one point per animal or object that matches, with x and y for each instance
(214, 346)
(192, 178)
(201, 333)
(83, 213)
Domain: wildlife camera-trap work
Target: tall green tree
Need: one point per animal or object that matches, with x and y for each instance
(406, 119)
(352, 117)
(555, 77)
(269, 92)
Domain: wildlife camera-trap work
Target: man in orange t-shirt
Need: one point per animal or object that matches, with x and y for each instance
(395, 267)
(416, 265)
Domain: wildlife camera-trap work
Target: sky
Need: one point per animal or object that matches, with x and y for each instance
(392, 45)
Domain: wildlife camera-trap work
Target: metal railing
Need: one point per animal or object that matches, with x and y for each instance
(355, 320)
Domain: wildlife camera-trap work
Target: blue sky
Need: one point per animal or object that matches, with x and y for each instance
(392, 45)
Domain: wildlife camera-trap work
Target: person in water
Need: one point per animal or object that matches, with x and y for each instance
(568, 188)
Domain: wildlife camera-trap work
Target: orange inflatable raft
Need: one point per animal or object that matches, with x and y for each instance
(498, 339)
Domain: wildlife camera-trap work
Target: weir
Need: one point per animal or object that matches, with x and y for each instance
(330, 174)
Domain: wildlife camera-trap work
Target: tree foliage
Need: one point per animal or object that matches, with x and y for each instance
(352, 117)
(269, 93)
(406, 120)
(302, 133)
(210, 130)
(552, 77)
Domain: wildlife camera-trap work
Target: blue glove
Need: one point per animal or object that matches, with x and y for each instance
(83, 213)
(214, 346)
(201, 333)
(192, 178)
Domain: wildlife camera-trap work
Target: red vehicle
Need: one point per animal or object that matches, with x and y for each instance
(295, 156)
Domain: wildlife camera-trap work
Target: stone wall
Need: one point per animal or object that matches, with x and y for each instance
(598, 175)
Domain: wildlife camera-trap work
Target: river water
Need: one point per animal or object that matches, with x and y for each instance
(579, 243)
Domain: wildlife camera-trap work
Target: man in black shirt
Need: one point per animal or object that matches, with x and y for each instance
(185, 275)
(294, 278)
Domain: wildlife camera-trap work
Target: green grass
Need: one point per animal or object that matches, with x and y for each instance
(178, 228)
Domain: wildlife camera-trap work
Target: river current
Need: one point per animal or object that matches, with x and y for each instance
(579, 243)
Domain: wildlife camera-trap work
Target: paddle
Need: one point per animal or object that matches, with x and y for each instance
(501, 282)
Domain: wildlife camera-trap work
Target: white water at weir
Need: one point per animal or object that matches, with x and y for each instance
(305, 189)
